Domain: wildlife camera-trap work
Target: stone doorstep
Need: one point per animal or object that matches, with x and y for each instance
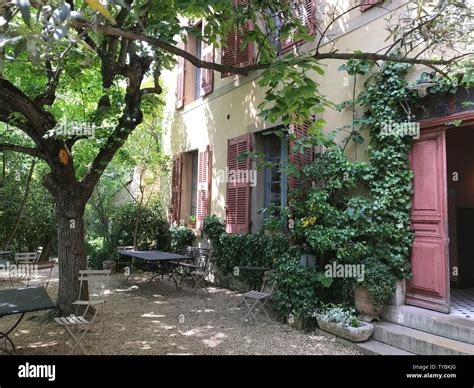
(368, 348)
(419, 342)
(444, 325)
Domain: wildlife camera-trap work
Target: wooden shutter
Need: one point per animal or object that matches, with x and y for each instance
(175, 208)
(238, 191)
(203, 189)
(180, 79)
(305, 11)
(207, 75)
(299, 159)
(366, 4)
(234, 52)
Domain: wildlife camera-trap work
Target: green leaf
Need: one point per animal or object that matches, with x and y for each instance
(24, 6)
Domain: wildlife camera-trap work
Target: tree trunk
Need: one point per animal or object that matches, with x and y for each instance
(71, 250)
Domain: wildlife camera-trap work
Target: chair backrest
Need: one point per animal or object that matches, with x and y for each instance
(188, 251)
(126, 248)
(35, 279)
(269, 280)
(26, 257)
(91, 276)
(202, 256)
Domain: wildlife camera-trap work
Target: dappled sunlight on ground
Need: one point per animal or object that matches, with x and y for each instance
(164, 320)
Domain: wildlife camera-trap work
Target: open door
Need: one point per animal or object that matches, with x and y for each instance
(429, 286)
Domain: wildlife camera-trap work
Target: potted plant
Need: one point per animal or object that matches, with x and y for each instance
(344, 323)
(375, 290)
(192, 222)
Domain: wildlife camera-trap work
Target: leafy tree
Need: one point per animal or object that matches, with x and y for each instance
(82, 60)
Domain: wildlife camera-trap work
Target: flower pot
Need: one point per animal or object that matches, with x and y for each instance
(354, 334)
(365, 305)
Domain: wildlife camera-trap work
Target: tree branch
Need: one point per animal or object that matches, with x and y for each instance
(35, 152)
(157, 43)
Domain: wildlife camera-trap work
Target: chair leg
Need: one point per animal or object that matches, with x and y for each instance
(250, 310)
(77, 341)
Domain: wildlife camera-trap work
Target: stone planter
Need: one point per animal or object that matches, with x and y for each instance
(354, 334)
(365, 305)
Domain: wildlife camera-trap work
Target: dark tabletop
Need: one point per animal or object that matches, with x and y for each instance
(24, 300)
(154, 255)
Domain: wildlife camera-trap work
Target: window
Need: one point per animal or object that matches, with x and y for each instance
(194, 183)
(275, 187)
(194, 82)
(197, 78)
(304, 10)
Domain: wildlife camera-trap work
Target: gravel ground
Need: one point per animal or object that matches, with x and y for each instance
(165, 320)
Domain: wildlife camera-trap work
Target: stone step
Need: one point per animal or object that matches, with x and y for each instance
(374, 347)
(445, 325)
(418, 342)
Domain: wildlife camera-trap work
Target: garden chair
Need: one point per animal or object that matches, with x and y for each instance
(199, 270)
(125, 261)
(24, 262)
(253, 298)
(80, 321)
(36, 280)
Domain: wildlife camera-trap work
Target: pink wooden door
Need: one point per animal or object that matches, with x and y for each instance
(429, 287)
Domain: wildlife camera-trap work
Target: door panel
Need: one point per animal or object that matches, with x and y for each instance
(429, 287)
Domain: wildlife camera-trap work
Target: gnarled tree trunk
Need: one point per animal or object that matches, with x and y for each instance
(71, 249)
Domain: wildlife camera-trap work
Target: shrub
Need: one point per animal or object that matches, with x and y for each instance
(153, 232)
(340, 314)
(213, 228)
(181, 236)
(249, 250)
(298, 287)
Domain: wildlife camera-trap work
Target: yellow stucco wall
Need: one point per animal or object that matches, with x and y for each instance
(231, 109)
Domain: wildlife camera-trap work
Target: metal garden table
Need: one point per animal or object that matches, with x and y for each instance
(21, 301)
(159, 263)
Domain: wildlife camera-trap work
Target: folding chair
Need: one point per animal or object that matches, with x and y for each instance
(201, 272)
(34, 279)
(24, 262)
(254, 298)
(79, 321)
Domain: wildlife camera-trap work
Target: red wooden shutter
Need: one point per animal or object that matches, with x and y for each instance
(175, 208)
(234, 52)
(207, 75)
(366, 4)
(238, 190)
(305, 11)
(299, 159)
(180, 79)
(203, 189)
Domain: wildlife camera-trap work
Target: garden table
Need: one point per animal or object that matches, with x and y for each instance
(21, 301)
(159, 263)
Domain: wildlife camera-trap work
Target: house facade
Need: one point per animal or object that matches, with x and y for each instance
(212, 118)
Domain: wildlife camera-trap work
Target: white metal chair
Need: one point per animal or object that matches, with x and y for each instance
(79, 321)
(24, 262)
(253, 298)
(34, 279)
